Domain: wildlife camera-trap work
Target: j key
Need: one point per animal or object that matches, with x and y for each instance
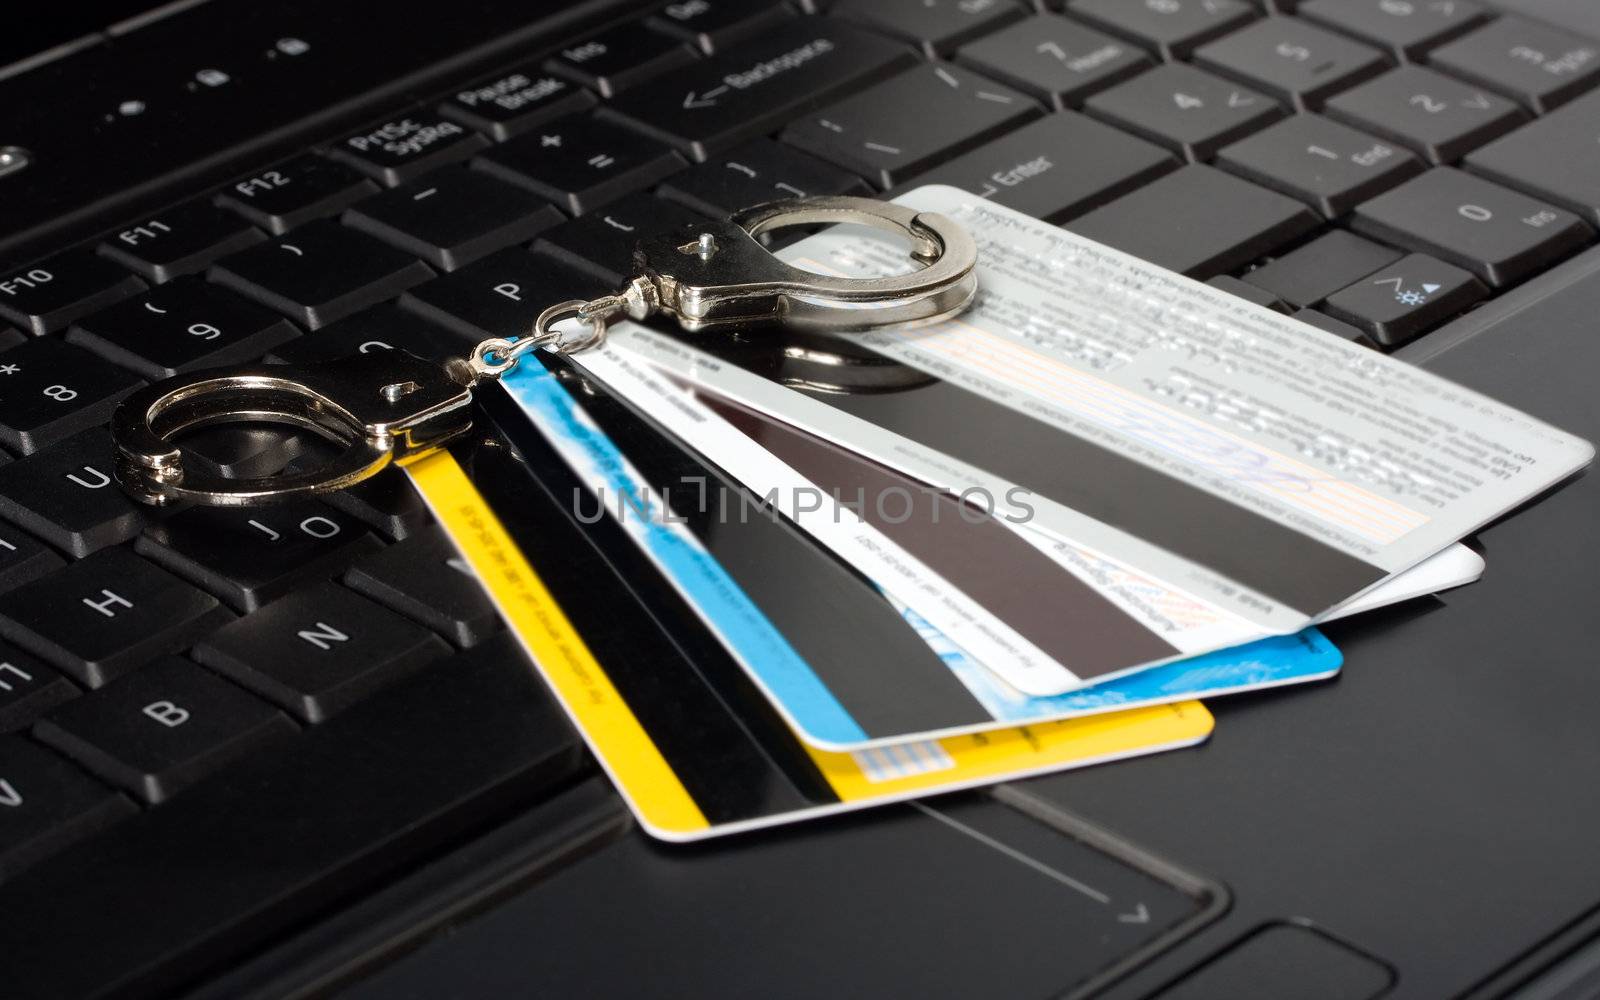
(106, 614)
(909, 123)
(938, 27)
(1406, 298)
(23, 558)
(249, 557)
(162, 728)
(710, 25)
(1185, 109)
(1407, 28)
(1338, 327)
(1171, 27)
(623, 57)
(46, 296)
(28, 688)
(319, 650)
(66, 495)
(1056, 168)
(47, 803)
(50, 390)
(181, 240)
(758, 171)
(1440, 117)
(305, 188)
(425, 579)
(319, 273)
(382, 327)
(759, 85)
(1248, 292)
(240, 451)
(398, 149)
(602, 242)
(1054, 59)
(1309, 274)
(501, 295)
(1198, 221)
(1498, 234)
(1556, 157)
(512, 103)
(1541, 66)
(1329, 166)
(580, 163)
(1299, 62)
(181, 325)
(453, 216)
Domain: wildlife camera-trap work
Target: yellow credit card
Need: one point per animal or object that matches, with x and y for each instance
(693, 754)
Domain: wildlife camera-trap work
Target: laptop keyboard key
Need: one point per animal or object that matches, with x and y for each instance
(304, 188)
(514, 102)
(162, 728)
(179, 326)
(1407, 28)
(1338, 327)
(396, 150)
(1500, 235)
(711, 25)
(452, 217)
(1556, 157)
(602, 242)
(28, 688)
(1055, 168)
(46, 803)
(1185, 109)
(107, 614)
(581, 163)
(1248, 292)
(1056, 60)
(1307, 275)
(1440, 117)
(753, 173)
(180, 240)
(387, 502)
(23, 558)
(1329, 166)
(755, 87)
(50, 390)
(622, 57)
(1409, 297)
(1299, 62)
(46, 296)
(319, 273)
(383, 327)
(938, 27)
(319, 650)
(1198, 221)
(1171, 27)
(900, 127)
(501, 295)
(249, 557)
(425, 579)
(66, 495)
(1539, 65)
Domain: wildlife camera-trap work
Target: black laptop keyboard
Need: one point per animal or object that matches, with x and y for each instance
(1376, 167)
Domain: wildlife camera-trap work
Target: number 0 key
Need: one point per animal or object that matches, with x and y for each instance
(1498, 234)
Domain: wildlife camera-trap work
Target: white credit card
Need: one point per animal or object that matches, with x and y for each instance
(1225, 450)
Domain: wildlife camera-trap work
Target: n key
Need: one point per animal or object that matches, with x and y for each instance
(319, 650)
(104, 615)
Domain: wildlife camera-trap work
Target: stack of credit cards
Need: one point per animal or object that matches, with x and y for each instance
(779, 575)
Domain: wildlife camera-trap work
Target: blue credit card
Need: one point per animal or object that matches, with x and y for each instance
(833, 719)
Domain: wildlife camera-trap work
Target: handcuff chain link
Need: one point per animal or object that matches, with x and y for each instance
(494, 357)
